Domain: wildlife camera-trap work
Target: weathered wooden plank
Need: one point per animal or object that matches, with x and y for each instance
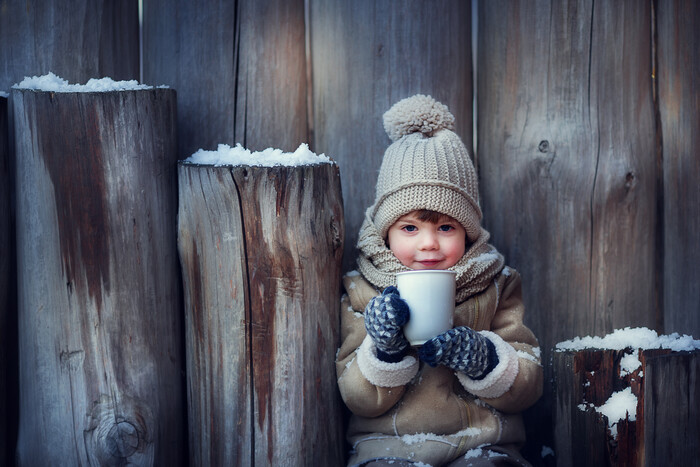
(239, 68)
(293, 221)
(75, 39)
(211, 246)
(677, 71)
(671, 414)
(571, 160)
(8, 305)
(365, 56)
(98, 287)
(567, 161)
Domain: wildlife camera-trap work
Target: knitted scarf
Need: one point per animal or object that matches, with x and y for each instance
(475, 270)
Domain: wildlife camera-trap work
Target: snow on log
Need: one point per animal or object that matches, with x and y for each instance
(261, 250)
(100, 322)
(633, 400)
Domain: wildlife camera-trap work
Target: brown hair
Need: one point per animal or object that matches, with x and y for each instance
(434, 217)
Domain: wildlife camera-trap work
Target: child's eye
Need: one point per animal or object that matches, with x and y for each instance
(409, 228)
(445, 228)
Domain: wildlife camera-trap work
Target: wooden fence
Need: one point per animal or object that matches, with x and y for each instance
(587, 123)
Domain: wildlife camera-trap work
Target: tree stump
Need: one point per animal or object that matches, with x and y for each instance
(667, 419)
(98, 285)
(261, 251)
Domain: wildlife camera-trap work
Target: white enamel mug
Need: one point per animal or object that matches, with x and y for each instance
(430, 295)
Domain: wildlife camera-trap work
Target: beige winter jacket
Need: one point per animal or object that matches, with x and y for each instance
(434, 415)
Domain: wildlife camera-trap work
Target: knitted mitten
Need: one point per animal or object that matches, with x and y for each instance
(461, 349)
(385, 314)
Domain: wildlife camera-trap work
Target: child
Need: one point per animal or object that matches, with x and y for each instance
(456, 399)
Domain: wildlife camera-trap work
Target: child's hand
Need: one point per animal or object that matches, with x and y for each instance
(384, 317)
(461, 349)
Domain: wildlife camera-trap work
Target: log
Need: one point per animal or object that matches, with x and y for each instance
(677, 69)
(261, 253)
(98, 285)
(666, 428)
(365, 56)
(8, 302)
(76, 40)
(239, 68)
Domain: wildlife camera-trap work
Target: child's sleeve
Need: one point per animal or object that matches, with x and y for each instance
(516, 382)
(369, 387)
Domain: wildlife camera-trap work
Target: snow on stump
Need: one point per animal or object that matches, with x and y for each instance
(99, 310)
(629, 398)
(261, 241)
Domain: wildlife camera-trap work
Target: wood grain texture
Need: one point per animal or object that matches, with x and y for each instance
(261, 250)
(98, 284)
(212, 252)
(293, 220)
(677, 71)
(671, 414)
(75, 39)
(365, 56)
(239, 68)
(567, 165)
(585, 377)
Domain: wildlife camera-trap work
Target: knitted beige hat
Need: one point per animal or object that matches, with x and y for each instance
(426, 167)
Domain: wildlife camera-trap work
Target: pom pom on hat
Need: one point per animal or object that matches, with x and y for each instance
(417, 113)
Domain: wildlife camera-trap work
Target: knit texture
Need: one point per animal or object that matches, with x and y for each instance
(385, 315)
(427, 167)
(461, 349)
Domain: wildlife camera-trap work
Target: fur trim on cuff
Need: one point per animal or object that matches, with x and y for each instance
(501, 378)
(383, 374)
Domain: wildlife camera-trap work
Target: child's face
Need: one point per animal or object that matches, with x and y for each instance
(426, 245)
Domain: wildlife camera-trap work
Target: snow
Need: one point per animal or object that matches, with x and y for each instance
(238, 155)
(422, 437)
(52, 83)
(636, 338)
(479, 452)
(621, 405)
(628, 364)
(4, 94)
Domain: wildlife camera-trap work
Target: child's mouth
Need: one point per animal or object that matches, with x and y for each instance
(429, 263)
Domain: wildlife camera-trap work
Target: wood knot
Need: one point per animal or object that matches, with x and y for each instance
(122, 440)
(119, 432)
(543, 146)
(335, 233)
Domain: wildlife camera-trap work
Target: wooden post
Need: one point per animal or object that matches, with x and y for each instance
(667, 424)
(261, 253)
(8, 308)
(386, 53)
(101, 373)
(678, 93)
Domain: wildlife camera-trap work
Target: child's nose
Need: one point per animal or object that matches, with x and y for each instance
(429, 241)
